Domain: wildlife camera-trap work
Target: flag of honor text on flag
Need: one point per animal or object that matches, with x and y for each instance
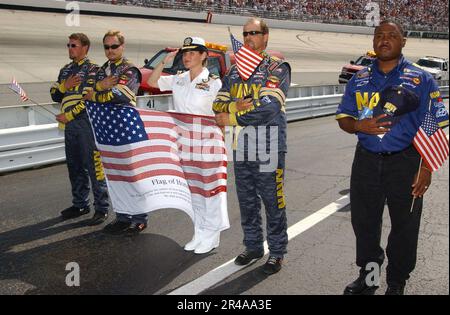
(431, 142)
(18, 89)
(154, 160)
(246, 58)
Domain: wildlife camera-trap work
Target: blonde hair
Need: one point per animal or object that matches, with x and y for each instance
(117, 34)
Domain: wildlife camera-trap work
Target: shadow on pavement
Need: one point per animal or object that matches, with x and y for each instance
(239, 285)
(142, 264)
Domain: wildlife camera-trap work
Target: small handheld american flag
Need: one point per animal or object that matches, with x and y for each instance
(431, 142)
(246, 58)
(18, 89)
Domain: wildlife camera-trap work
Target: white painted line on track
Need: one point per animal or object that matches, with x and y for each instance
(227, 269)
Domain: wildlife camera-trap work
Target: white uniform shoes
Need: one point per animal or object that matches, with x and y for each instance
(203, 241)
(195, 241)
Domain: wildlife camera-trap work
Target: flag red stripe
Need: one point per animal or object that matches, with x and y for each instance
(442, 138)
(250, 54)
(245, 66)
(433, 158)
(205, 179)
(424, 149)
(146, 162)
(249, 62)
(141, 150)
(165, 172)
(439, 150)
(163, 148)
(207, 193)
(204, 164)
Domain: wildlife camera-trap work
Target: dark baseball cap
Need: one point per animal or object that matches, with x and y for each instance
(396, 100)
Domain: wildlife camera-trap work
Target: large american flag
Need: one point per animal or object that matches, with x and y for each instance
(431, 142)
(140, 148)
(18, 89)
(246, 58)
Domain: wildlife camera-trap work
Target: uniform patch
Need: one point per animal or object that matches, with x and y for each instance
(389, 109)
(116, 91)
(272, 85)
(435, 94)
(441, 112)
(362, 75)
(202, 86)
(416, 81)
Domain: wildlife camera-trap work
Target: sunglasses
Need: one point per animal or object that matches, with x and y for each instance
(71, 45)
(115, 46)
(251, 33)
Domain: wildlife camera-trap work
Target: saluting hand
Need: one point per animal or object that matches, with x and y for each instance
(170, 56)
(371, 126)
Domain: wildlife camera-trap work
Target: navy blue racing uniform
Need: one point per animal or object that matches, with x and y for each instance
(124, 92)
(259, 150)
(384, 166)
(83, 159)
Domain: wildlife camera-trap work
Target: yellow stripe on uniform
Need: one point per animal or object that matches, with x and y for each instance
(280, 191)
(99, 171)
(128, 93)
(345, 115)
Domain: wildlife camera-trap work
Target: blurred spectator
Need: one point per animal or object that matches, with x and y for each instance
(424, 15)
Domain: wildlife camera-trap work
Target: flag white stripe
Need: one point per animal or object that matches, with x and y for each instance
(143, 169)
(140, 157)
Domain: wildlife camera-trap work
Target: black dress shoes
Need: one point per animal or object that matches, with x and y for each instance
(98, 218)
(247, 256)
(360, 286)
(395, 289)
(74, 212)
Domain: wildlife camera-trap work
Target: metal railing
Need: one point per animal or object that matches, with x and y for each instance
(37, 140)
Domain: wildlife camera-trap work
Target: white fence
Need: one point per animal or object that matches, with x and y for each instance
(29, 137)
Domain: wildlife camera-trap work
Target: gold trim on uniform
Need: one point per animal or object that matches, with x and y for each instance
(345, 115)
(280, 190)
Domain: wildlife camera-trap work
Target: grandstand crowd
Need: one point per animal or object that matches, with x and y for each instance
(425, 15)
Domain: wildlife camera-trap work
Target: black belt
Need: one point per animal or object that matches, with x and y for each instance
(386, 154)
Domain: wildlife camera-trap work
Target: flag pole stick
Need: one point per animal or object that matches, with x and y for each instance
(34, 102)
(420, 167)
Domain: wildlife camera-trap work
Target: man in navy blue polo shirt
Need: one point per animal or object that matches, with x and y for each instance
(384, 106)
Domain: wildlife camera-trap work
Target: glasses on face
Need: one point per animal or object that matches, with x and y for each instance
(71, 45)
(251, 33)
(107, 47)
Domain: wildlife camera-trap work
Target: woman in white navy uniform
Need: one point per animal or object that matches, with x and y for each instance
(194, 92)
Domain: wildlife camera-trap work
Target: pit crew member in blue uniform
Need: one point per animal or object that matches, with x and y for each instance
(257, 106)
(83, 159)
(384, 106)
